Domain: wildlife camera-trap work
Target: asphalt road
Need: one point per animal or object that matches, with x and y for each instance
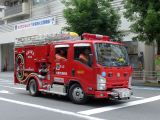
(17, 104)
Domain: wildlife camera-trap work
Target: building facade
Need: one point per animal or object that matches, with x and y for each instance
(20, 18)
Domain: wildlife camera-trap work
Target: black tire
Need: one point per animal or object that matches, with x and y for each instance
(77, 95)
(33, 88)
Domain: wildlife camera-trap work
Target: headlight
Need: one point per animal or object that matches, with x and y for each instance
(101, 83)
(129, 82)
(101, 87)
(101, 80)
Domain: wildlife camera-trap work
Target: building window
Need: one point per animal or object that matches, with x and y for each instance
(14, 3)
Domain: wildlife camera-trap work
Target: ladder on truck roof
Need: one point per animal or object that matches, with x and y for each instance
(44, 39)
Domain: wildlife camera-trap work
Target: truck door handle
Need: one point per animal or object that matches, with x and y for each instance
(73, 72)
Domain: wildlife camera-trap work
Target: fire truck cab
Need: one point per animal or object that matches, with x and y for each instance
(94, 67)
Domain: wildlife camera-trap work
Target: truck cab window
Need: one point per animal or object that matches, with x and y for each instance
(82, 54)
(61, 54)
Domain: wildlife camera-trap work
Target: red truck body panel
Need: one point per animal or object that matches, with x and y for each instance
(30, 60)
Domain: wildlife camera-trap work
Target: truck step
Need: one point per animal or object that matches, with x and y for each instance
(56, 89)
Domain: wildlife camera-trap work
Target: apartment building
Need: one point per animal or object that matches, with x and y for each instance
(20, 18)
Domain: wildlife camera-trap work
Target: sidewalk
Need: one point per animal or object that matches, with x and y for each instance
(6, 75)
(138, 82)
(144, 83)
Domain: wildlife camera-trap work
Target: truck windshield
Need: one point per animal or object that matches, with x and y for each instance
(111, 55)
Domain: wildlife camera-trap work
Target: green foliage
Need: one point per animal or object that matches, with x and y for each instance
(157, 64)
(92, 16)
(145, 15)
(157, 61)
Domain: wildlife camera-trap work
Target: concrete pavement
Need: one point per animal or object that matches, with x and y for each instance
(16, 104)
(6, 74)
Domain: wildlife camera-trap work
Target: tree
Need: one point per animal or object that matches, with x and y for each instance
(145, 15)
(92, 16)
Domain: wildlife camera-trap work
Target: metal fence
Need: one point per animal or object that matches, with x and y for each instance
(153, 76)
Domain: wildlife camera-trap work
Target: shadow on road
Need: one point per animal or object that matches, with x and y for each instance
(91, 102)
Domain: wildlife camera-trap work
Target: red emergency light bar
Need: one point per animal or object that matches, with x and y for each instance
(89, 36)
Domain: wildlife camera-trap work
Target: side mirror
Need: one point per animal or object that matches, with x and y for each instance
(90, 62)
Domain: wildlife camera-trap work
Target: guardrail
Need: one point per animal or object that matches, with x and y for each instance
(152, 76)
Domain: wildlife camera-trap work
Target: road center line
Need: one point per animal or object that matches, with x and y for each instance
(124, 105)
(137, 97)
(50, 109)
(5, 92)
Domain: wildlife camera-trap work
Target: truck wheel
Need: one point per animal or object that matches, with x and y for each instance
(77, 95)
(33, 88)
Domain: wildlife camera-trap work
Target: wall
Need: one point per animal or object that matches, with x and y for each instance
(148, 51)
(0, 58)
(7, 40)
(141, 47)
(54, 8)
(149, 57)
(7, 63)
(9, 37)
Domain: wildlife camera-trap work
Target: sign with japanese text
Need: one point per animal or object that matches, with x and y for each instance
(35, 23)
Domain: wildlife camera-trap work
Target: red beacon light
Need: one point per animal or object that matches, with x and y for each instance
(89, 36)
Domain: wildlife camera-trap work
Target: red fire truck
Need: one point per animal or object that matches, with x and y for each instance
(59, 64)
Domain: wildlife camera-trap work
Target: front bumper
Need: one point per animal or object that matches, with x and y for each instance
(119, 93)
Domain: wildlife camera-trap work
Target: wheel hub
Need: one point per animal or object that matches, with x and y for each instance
(78, 94)
(32, 87)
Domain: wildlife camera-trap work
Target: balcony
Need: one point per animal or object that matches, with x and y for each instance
(17, 11)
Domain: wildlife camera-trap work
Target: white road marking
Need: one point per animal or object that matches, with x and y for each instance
(145, 88)
(137, 97)
(5, 92)
(5, 80)
(50, 109)
(124, 105)
(17, 88)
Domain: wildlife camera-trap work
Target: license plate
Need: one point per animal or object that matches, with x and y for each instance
(122, 92)
(125, 94)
